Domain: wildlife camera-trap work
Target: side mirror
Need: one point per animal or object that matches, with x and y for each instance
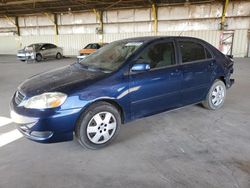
(140, 66)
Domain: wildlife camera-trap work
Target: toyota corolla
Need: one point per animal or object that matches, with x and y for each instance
(123, 81)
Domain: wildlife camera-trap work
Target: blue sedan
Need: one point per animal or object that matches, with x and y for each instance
(123, 81)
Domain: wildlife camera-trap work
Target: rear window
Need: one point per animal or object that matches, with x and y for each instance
(191, 51)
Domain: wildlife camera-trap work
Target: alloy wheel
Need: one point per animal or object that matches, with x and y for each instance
(101, 127)
(218, 95)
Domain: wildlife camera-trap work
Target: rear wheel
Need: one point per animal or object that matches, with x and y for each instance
(39, 57)
(58, 56)
(216, 96)
(98, 125)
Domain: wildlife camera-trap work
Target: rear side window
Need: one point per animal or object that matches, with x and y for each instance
(52, 46)
(191, 51)
(208, 54)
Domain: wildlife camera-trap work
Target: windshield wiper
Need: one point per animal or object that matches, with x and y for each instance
(93, 68)
(105, 70)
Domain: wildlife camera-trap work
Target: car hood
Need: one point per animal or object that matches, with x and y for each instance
(63, 79)
(25, 50)
(87, 51)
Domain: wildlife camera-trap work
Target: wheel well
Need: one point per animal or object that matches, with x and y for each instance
(39, 54)
(112, 102)
(222, 78)
(116, 105)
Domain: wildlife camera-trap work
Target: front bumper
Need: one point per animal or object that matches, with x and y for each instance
(81, 57)
(25, 125)
(25, 57)
(45, 127)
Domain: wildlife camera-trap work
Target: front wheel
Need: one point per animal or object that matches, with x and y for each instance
(216, 96)
(58, 56)
(98, 126)
(39, 57)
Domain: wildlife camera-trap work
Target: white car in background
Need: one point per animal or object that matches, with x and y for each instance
(40, 51)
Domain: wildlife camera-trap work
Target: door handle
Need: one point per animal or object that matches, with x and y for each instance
(174, 72)
(211, 64)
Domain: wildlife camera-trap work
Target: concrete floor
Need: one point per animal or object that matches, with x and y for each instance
(188, 148)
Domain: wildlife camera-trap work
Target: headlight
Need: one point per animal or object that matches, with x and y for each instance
(46, 100)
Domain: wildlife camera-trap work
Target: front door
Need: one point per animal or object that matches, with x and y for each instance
(45, 50)
(157, 89)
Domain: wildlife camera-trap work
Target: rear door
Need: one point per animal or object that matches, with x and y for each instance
(197, 65)
(158, 89)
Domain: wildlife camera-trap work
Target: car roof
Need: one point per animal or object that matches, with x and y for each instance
(152, 38)
(40, 43)
(100, 43)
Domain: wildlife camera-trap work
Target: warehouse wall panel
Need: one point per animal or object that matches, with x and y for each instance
(76, 18)
(27, 40)
(240, 43)
(78, 29)
(4, 22)
(73, 43)
(9, 45)
(241, 8)
(110, 16)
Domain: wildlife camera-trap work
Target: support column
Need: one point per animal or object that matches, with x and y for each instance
(99, 31)
(222, 24)
(55, 23)
(53, 19)
(223, 16)
(16, 24)
(155, 18)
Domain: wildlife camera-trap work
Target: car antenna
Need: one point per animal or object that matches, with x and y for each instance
(182, 30)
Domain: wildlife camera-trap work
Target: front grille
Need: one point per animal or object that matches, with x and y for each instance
(19, 97)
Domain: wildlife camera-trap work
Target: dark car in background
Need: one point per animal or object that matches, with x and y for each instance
(123, 81)
(40, 51)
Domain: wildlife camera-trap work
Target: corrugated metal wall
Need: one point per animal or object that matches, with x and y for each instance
(240, 43)
(73, 43)
(8, 45)
(78, 29)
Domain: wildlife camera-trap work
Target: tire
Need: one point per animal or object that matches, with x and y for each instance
(58, 56)
(39, 57)
(93, 131)
(216, 96)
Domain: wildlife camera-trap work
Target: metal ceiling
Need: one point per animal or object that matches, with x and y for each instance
(23, 7)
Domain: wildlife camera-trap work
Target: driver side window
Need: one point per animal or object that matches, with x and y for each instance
(159, 55)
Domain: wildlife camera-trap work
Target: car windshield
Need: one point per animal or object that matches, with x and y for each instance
(89, 46)
(33, 47)
(111, 57)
